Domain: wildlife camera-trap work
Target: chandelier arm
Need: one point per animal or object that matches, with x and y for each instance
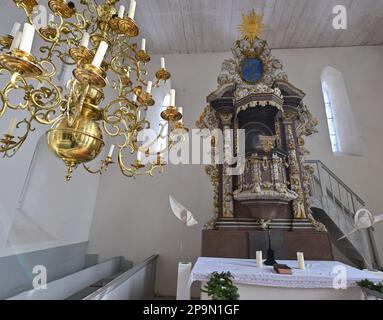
(132, 172)
(104, 166)
(146, 149)
(91, 9)
(120, 70)
(8, 146)
(17, 82)
(51, 91)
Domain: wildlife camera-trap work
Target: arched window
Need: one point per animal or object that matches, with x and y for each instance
(330, 119)
(342, 128)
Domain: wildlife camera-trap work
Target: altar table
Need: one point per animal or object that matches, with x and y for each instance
(313, 283)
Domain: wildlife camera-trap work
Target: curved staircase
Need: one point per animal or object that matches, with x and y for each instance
(334, 204)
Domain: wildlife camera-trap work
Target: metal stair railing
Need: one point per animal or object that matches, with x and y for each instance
(340, 202)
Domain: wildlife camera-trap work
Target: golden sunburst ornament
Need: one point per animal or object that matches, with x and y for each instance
(252, 26)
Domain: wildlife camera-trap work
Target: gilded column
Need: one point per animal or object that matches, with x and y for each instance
(228, 206)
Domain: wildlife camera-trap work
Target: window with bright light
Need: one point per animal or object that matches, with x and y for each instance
(342, 126)
(330, 120)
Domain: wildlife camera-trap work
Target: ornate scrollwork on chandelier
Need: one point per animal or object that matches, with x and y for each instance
(98, 42)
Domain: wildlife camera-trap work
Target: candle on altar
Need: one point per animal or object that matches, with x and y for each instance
(100, 54)
(121, 12)
(134, 98)
(132, 9)
(12, 126)
(85, 40)
(163, 63)
(172, 97)
(143, 44)
(301, 260)
(27, 38)
(111, 150)
(259, 259)
(15, 29)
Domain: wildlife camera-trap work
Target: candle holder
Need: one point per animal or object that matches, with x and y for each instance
(171, 114)
(179, 129)
(81, 55)
(146, 99)
(128, 27)
(163, 74)
(126, 81)
(270, 261)
(28, 5)
(21, 62)
(63, 9)
(138, 165)
(160, 160)
(137, 90)
(97, 38)
(8, 141)
(6, 41)
(113, 23)
(49, 32)
(142, 56)
(90, 74)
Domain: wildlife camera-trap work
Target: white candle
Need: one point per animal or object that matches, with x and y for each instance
(132, 9)
(149, 87)
(15, 29)
(85, 40)
(111, 150)
(128, 72)
(16, 41)
(172, 97)
(27, 38)
(162, 63)
(140, 156)
(301, 260)
(143, 44)
(134, 98)
(100, 54)
(121, 12)
(259, 259)
(12, 126)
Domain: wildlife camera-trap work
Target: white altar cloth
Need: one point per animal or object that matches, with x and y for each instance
(318, 274)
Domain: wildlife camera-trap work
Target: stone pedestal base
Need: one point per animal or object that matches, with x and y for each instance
(243, 244)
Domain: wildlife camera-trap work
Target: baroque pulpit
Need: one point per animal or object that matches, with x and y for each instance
(269, 200)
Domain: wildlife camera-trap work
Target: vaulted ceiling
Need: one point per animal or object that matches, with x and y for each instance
(189, 26)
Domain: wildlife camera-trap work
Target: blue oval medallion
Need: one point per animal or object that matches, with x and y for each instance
(252, 69)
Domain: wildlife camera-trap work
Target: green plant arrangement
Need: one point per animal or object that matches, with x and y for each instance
(371, 285)
(220, 287)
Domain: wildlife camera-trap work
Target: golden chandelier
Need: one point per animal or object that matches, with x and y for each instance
(98, 43)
